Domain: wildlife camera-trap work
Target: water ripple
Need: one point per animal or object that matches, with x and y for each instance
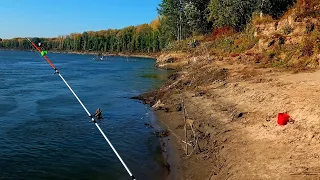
(44, 132)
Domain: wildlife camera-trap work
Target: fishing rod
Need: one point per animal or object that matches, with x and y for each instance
(43, 54)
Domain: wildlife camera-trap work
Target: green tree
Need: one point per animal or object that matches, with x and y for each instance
(170, 11)
(193, 18)
(234, 13)
(202, 7)
(84, 42)
(275, 8)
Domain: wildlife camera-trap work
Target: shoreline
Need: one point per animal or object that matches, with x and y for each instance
(233, 109)
(138, 55)
(143, 55)
(170, 152)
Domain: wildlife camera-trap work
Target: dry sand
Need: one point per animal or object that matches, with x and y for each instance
(234, 108)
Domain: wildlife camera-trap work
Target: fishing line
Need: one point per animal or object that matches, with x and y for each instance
(43, 55)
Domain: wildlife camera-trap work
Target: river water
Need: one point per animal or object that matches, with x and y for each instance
(45, 133)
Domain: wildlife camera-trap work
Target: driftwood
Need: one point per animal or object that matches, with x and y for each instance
(185, 127)
(188, 122)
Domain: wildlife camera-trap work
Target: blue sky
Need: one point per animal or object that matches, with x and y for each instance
(50, 18)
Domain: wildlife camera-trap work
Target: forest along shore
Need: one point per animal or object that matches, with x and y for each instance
(142, 55)
(231, 115)
(139, 55)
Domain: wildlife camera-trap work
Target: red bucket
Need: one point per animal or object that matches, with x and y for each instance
(283, 118)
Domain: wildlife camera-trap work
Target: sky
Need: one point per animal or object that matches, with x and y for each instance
(51, 18)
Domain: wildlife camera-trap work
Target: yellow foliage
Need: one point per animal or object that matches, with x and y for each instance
(155, 24)
(142, 28)
(75, 35)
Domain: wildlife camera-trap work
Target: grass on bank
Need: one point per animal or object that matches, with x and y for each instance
(225, 42)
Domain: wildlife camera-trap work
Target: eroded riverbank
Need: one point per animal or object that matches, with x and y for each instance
(233, 109)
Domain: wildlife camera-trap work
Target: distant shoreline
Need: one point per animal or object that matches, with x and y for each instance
(142, 55)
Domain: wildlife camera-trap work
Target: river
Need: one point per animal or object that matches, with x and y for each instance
(45, 133)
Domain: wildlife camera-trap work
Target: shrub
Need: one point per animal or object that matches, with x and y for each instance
(307, 48)
(235, 55)
(243, 43)
(220, 32)
(310, 27)
(271, 55)
(287, 29)
(307, 8)
(265, 19)
(307, 5)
